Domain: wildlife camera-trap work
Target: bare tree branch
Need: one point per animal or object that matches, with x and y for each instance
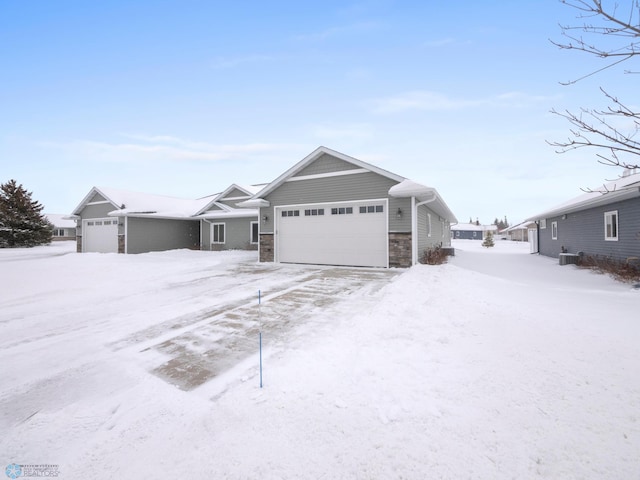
(603, 129)
(611, 24)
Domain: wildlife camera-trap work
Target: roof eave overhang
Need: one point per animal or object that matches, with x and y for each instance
(604, 199)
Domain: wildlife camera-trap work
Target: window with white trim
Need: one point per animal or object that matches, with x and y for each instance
(543, 224)
(554, 230)
(342, 211)
(428, 224)
(611, 226)
(442, 227)
(218, 233)
(372, 209)
(314, 212)
(291, 213)
(255, 237)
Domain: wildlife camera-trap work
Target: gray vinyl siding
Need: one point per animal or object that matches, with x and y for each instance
(424, 240)
(361, 186)
(325, 164)
(237, 233)
(97, 198)
(584, 232)
(153, 234)
(97, 211)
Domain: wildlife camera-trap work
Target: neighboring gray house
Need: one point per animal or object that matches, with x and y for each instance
(224, 226)
(118, 221)
(333, 209)
(63, 227)
(471, 231)
(604, 222)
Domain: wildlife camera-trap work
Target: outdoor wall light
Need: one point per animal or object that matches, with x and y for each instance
(265, 219)
(399, 214)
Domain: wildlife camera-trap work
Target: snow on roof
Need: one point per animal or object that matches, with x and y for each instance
(129, 203)
(60, 221)
(472, 227)
(521, 226)
(409, 188)
(621, 189)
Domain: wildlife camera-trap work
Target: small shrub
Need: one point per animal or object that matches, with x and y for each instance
(628, 271)
(434, 256)
(488, 240)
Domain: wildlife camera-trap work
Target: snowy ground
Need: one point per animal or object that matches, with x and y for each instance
(498, 365)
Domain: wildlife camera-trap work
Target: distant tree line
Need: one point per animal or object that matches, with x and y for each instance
(501, 224)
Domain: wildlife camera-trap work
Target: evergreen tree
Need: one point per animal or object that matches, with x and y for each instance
(488, 240)
(21, 221)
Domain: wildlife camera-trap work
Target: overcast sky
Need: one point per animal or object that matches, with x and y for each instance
(185, 97)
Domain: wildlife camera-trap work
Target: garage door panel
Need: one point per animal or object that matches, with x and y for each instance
(100, 235)
(358, 239)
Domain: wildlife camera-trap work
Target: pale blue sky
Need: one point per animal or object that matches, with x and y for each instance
(186, 97)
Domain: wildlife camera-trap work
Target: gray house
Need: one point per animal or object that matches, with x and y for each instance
(224, 226)
(471, 231)
(604, 222)
(63, 227)
(332, 209)
(119, 221)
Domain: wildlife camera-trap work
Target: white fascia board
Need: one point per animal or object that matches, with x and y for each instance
(85, 200)
(254, 203)
(339, 173)
(239, 213)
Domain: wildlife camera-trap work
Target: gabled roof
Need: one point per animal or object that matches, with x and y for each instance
(127, 203)
(249, 190)
(317, 153)
(623, 188)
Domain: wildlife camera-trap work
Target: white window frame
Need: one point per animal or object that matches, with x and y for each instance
(257, 240)
(554, 230)
(543, 224)
(213, 233)
(428, 224)
(607, 222)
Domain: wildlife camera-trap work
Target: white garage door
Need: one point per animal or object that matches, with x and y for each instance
(353, 234)
(100, 235)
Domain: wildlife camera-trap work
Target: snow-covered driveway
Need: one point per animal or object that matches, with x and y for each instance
(497, 365)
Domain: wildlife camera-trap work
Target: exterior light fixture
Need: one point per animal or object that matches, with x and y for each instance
(399, 214)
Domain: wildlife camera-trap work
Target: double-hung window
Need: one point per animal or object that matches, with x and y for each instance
(218, 233)
(611, 226)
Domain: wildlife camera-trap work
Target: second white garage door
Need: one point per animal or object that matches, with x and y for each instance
(352, 234)
(100, 235)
